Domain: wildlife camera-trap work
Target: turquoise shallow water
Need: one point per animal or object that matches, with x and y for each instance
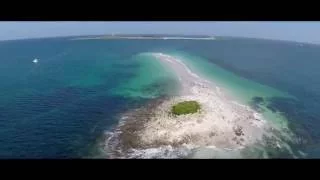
(61, 106)
(242, 89)
(151, 73)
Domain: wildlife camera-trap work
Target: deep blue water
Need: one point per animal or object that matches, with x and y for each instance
(60, 107)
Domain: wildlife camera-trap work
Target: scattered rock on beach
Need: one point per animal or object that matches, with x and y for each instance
(212, 134)
(238, 131)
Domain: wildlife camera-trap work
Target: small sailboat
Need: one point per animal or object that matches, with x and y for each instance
(35, 61)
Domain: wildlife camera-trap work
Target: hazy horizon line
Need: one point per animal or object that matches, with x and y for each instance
(66, 36)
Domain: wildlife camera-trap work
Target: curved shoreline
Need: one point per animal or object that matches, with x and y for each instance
(222, 123)
(214, 125)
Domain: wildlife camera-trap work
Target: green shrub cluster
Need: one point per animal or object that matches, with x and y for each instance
(186, 107)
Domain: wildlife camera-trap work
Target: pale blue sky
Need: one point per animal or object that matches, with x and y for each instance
(294, 31)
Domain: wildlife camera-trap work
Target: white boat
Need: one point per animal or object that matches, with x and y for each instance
(35, 61)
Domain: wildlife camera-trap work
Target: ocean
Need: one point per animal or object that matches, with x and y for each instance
(62, 106)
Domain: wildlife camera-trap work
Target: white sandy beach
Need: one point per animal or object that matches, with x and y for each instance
(221, 124)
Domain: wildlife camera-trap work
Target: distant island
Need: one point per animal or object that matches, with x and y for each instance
(146, 36)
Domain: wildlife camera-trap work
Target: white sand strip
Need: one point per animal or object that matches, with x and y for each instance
(221, 123)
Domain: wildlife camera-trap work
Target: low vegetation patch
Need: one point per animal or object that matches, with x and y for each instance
(185, 107)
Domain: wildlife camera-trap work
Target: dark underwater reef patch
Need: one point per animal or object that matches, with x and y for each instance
(118, 77)
(256, 102)
(302, 121)
(161, 87)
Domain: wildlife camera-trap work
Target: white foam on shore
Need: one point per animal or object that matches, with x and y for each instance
(173, 60)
